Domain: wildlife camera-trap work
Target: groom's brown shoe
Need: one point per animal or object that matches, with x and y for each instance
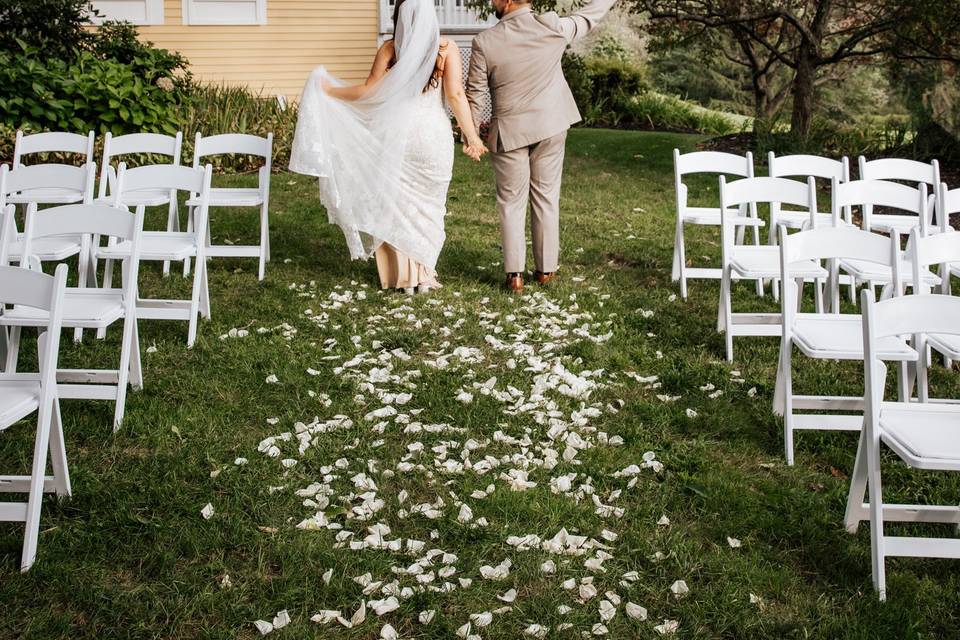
(544, 278)
(514, 283)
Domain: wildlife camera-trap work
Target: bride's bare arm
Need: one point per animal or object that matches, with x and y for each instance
(457, 99)
(381, 63)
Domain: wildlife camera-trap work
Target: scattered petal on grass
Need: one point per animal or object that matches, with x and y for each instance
(635, 611)
(207, 512)
(679, 588)
(669, 627)
(734, 543)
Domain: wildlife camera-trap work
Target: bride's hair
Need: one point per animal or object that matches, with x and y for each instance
(434, 81)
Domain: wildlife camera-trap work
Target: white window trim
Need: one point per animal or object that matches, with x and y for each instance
(190, 19)
(153, 12)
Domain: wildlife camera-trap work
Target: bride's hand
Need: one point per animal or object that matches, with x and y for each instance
(475, 149)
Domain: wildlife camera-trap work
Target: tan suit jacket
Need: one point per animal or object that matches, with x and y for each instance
(519, 59)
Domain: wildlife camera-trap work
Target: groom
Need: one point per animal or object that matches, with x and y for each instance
(518, 59)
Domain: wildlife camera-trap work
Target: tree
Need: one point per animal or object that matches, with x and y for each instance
(810, 38)
(55, 26)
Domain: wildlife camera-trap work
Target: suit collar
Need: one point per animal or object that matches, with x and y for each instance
(516, 13)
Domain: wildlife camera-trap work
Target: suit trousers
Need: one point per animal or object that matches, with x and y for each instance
(530, 175)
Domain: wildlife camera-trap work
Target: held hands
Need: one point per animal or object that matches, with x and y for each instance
(475, 149)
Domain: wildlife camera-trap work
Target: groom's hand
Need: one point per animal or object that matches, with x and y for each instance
(475, 149)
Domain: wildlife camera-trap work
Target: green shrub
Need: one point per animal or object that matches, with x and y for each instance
(81, 94)
(578, 77)
(117, 41)
(216, 109)
(54, 26)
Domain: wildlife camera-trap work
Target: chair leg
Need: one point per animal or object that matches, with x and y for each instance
(679, 260)
(787, 366)
(264, 243)
(4, 340)
(82, 278)
(199, 275)
(266, 229)
(205, 310)
(858, 488)
(58, 454)
(818, 294)
(13, 350)
(123, 372)
(107, 284)
(37, 479)
(136, 363)
(727, 314)
(876, 517)
(186, 262)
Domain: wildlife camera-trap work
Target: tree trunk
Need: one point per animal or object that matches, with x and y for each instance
(804, 90)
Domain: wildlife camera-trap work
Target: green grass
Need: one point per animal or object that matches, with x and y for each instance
(129, 556)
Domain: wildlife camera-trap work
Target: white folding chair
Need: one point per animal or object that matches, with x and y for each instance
(912, 171)
(51, 142)
(165, 246)
(115, 148)
(948, 203)
(22, 394)
(745, 262)
(18, 184)
(941, 249)
(89, 308)
(805, 167)
(923, 435)
(828, 336)
(238, 144)
(867, 194)
(710, 162)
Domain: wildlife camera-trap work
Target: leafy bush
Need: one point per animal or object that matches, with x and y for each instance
(117, 41)
(876, 136)
(614, 83)
(84, 93)
(214, 109)
(54, 26)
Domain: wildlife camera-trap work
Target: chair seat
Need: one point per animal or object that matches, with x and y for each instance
(764, 262)
(886, 223)
(232, 198)
(926, 436)
(51, 195)
(144, 197)
(840, 337)
(878, 273)
(49, 249)
(797, 219)
(82, 308)
(711, 216)
(18, 399)
(156, 245)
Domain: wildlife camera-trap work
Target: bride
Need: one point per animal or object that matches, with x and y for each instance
(383, 150)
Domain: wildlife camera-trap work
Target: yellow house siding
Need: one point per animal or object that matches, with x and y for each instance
(277, 57)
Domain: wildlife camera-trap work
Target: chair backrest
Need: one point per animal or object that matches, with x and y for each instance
(53, 142)
(867, 194)
(172, 177)
(39, 291)
(93, 221)
(714, 162)
(45, 176)
(136, 143)
(834, 243)
(935, 249)
(900, 169)
(803, 166)
(232, 143)
(750, 192)
(948, 203)
(907, 315)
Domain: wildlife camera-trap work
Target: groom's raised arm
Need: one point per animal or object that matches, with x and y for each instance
(581, 22)
(477, 83)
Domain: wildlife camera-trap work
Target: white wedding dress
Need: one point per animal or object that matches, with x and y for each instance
(385, 161)
(428, 169)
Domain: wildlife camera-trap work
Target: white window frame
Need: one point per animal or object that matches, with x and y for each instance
(190, 17)
(153, 12)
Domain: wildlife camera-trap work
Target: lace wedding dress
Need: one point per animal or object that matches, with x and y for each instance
(427, 169)
(384, 161)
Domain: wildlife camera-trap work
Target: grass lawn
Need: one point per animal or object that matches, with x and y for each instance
(403, 429)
